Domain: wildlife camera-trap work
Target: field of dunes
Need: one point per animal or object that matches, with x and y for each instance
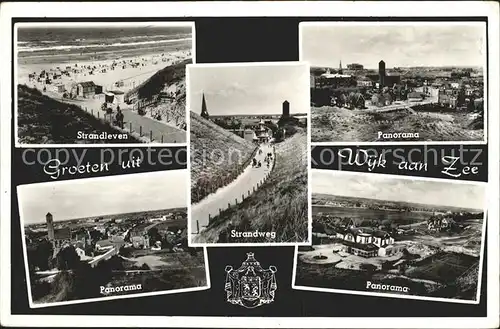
(163, 95)
(339, 124)
(280, 205)
(44, 120)
(217, 156)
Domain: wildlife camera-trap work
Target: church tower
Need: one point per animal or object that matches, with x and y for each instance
(50, 226)
(204, 112)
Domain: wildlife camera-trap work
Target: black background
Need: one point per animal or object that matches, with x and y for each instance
(234, 40)
(326, 157)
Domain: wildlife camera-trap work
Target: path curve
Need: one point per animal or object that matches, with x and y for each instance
(227, 195)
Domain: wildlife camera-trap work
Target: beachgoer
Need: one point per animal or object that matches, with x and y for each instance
(119, 118)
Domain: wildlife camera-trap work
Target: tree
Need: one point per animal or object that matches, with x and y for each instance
(67, 259)
(154, 236)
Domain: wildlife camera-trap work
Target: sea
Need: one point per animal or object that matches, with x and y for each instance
(402, 218)
(39, 42)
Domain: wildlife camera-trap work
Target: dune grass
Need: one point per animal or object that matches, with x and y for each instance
(217, 157)
(280, 205)
(44, 120)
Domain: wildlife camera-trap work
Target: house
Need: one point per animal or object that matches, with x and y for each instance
(249, 135)
(140, 241)
(367, 243)
(59, 88)
(118, 96)
(415, 97)
(383, 99)
(61, 237)
(80, 251)
(85, 89)
(364, 82)
(104, 245)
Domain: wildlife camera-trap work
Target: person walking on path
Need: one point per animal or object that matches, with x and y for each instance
(119, 117)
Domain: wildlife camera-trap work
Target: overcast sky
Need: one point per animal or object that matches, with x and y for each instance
(403, 45)
(103, 196)
(236, 90)
(381, 187)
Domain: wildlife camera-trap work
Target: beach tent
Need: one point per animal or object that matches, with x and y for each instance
(109, 97)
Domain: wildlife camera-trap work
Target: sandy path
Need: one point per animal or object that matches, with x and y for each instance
(156, 128)
(244, 183)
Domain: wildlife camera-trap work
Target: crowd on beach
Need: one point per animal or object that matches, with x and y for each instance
(115, 76)
(125, 73)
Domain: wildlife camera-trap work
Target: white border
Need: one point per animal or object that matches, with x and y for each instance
(103, 24)
(109, 179)
(251, 9)
(303, 25)
(308, 147)
(381, 294)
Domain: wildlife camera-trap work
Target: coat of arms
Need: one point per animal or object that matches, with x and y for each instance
(250, 285)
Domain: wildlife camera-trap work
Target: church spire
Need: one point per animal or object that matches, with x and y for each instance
(204, 112)
(340, 67)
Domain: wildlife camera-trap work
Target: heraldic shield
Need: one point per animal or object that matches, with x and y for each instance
(250, 285)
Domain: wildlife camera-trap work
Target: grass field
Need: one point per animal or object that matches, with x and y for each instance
(43, 120)
(442, 267)
(172, 111)
(217, 156)
(279, 205)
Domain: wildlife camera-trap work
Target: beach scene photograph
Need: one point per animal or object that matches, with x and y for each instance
(249, 153)
(86, 83)
(128, 237)
(383, 235)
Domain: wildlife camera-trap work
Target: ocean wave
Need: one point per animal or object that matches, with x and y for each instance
(101, 45)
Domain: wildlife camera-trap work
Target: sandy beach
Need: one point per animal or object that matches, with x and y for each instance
(57, 76)
(131, 70)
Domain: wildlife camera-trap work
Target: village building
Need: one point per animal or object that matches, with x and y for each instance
(249, 135)
(86, 89)
(440, 221)
(115, 97)
(104, 245)
(364, 82)
(59, 88)
(364, 243)
(415, 97)
(262, 132)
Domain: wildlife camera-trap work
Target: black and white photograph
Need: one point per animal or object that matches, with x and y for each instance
(396, 81)
(107, 238)
(95, 83)
(249, 153)
(382, 235)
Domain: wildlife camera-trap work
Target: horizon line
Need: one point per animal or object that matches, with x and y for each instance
(429, 204)
(105, 215)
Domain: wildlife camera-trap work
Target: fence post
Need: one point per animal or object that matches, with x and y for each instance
(198, 225)
(236, 200)
(140, 131)
(130, 125)
(228, 205)
(242, 197)
(92, 111)
(151, 135)
(98, 115)
(209, 218)
(162, 139)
